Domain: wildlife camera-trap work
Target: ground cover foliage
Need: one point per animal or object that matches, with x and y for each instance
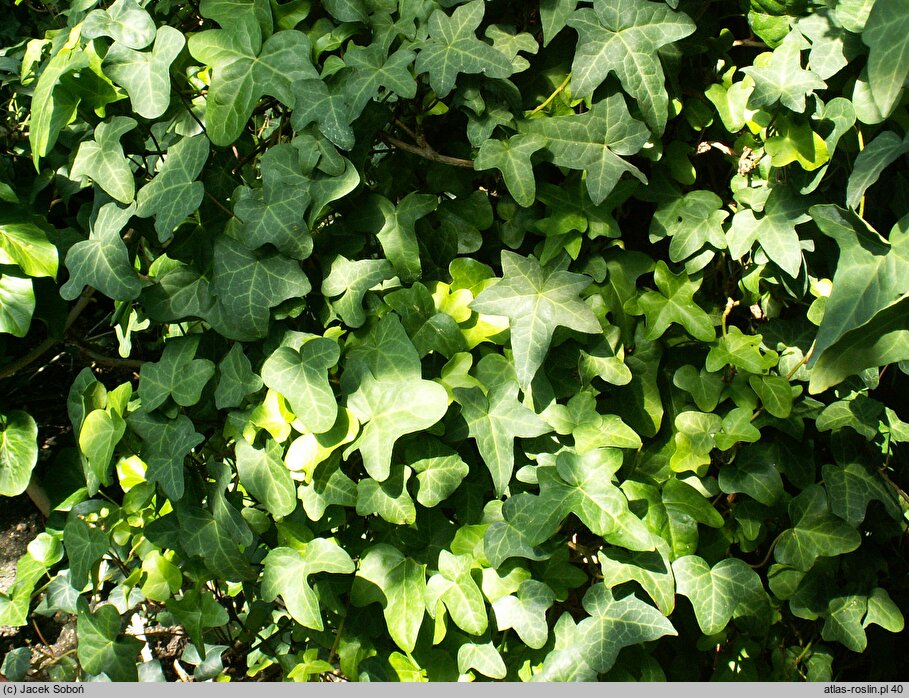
(436, 339)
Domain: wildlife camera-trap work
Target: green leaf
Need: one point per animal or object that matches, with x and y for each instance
(300, 376)
(453, 586)
(753, 475)
(483, 657)
(783, 79)
(388, 499)
(625, 37)
(815, 532)
(176, 375)
(740, 350)
(244, 69)
(351, 280)
(18, 451)
(165, 443)
(124, 21)
(263, 474)
(162, 577)
(693, 221)
(23, 241)
(453, 48)
(594, 141)
(101, 432)
(844, 621)
(878, 155)
(859, 412)
(793, 140)
(85, 545)
(714, 593)
(317, 104)
(694, 440)
(872, 273)
(703, 386)
(371, 69)
(248, 285)
(53, 104)
(174, 194)
(886, 34)
(612, 625)
(102, 159)
(402, 583)
(102, 261)
(146, 75)
(440, 470)
(536, 301)
(495, 421)
(674, 303)
(650, 569)
(286, 574)
(884, 612)
(197, 611)
(208, 538)
(398, 235)
(526, 612)
(512, 158)
(775, 230)
(389, 406)
(17, 304)
(329, 486)
(851, 487)
(430, 330)
(737, 427)
(775, 393)
(101, 649)
(236, 379)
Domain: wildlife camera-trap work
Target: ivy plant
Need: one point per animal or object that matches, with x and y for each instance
(446, 340)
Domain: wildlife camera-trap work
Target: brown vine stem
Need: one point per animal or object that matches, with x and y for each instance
(425, 151)
(96, 355)
(545, 103)
(43, 347)
(769, 553)
(730, 304)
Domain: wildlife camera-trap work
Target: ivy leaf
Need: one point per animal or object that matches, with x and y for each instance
(815, 532)
(18, 451)
(388, 499)
(440, 470)
(650, 569)
(244, 69)
(197, 611)
(102, 261)
(775, 230)
(851, 487)
(495, 421)
(594, 141)
(85, 545)
(612, 625)
(166, 442)
(236, 379)
(454, 587)
(783, 79)
(373, 69)
(536, 301)
(124, 21)
(794, 140)
(101, 649)
(453, 48)
(879, 154)
(176, 375)
(754, 476)
(17, 304)
(146, 75)
(694, 440)
(886, 34)
(775, 393)
(483, 657)
(317, 104)
(692, 221)
(740, 350)
(53, 105)
(402, 583)
(102, 159)
(249, 285)
(351, 280)
(703, 386)
(398, 235)
(390, 405)
(625, 37)
(526, 612)
(673, 304)
(714, 593)
(554, 15)
(871, 275)
(300, 376)
(208, 538)
(329, 486)
(174, 194)
(287, 571)
(429, 329)
(512, 158)
(264, 475)
(101, 432)
(23, 241)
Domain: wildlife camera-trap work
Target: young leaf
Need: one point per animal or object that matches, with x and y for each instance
(783, 79)
(512, 158)
(124, 21)
(673, 304)
(262, 472)
(102, 159)
(715, 592)
(146, 75)
(300, 376)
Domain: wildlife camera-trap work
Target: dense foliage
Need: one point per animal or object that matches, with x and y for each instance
(527, 341)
